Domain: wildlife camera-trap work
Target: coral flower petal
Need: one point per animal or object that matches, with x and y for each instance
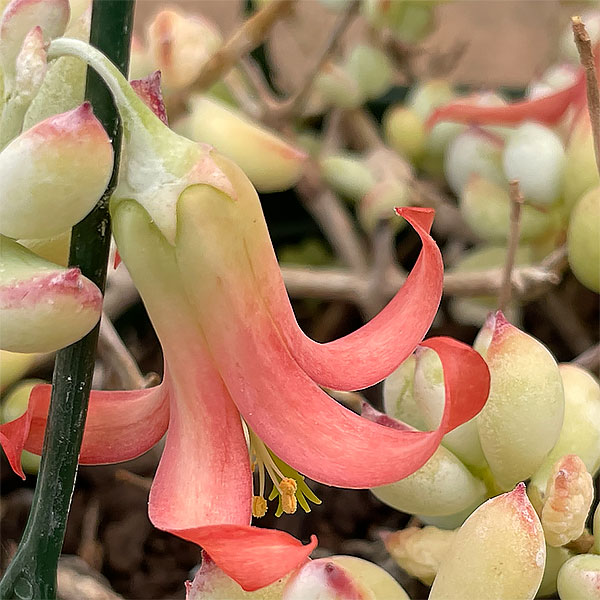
(547, 109)
(368, 355)
(252, 556)
(119, 426)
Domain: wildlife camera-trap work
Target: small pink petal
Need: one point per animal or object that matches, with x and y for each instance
(252, 556)
(148, 89)
(119, 425)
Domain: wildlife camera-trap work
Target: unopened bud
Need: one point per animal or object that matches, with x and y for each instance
(337, 87)
(371, 69)
(569, 495)
(442, 486)
(473, 152)
(52, 175)
(20, 17)
(486, 208)
(534, 156)
(523, 416)
(347, 174)
(44, 307)
(430, 395)
(398, 395)
(404, 131)
(580, 172)
(580, 433)
(338, 577)
(579, 578)
(582, 240)
(13, 366)
(211, 583)
(270, 162)
(419, 551)
(31, 65)
(180, 46)
(504, 531)
(555, 559)
(379, 203)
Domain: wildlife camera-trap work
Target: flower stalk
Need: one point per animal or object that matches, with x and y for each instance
(32, 573)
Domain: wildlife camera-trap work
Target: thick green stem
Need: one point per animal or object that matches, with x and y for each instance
(32, 572)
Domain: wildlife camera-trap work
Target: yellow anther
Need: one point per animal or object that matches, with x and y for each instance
(259, 506)
(288, 487)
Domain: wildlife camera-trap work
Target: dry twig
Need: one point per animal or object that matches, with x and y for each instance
(516, 201)
(294, 106)
(250, 35)
(586, 56)
(113, 352)
(589, 359)
(144, 483)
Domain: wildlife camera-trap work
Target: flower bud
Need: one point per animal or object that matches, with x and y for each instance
(409, 21)
(180, 46)
(499, 553)
(523, 416)
(473, 152)
(404, 131)
(579, 578)
(210, 583)
(19, 18)
(54, 249)
(13, 365)
(14, 404)
(419, 551)
(429, 393)
(580, 433)
(371, 69)
(347, 175)
(580, 172)
(596, 527)
(337, 87)
(63, 87)
(555, 559)
(44, 307)
(442, 486)
(342, 577)
(568, 498)
(486, 208)
(582, 240)
(52, 175)
(31, 65)
(379, 203)
(534, 156)
(398, 396)
(269, 162)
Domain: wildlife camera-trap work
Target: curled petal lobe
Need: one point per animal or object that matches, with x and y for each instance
(371, 353)
(119, 426)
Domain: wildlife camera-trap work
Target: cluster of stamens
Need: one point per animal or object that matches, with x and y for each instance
(288, 484)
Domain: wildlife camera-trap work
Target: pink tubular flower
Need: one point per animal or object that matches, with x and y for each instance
(190, 229)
